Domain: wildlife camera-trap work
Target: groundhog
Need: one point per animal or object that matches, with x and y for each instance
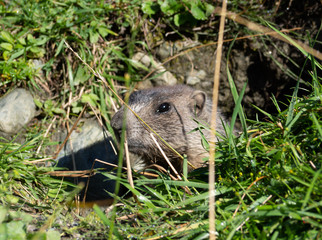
(173, 112)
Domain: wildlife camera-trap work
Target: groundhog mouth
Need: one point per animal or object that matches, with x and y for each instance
(136, 147)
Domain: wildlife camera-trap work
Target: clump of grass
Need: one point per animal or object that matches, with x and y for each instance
(26, 189)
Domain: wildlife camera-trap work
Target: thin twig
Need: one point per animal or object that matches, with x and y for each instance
(212, 224)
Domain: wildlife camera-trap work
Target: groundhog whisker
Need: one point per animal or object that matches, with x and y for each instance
(165, 157)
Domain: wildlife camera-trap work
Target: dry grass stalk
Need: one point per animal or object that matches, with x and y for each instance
(77, 173)
(258, 28)
(128, 164)
(46, 134)
(212, 224)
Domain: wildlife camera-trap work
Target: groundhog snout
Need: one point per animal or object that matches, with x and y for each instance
(122, 121)
(117, 122)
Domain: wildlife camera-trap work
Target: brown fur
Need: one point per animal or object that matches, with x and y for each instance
(175, 124)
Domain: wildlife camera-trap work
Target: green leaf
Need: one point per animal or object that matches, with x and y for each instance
(22, 41)
(197, 12)
(48, 104)
(310, 189)
(81, 76)
(12, 199)
(3, 232)
(104, 31)
(93, 36)
(16, 54)
(7, 37)
(31, 39)
(52, 235)
(209, 9)
(93, 24)
(3, 213)
(138, 65)
(41, 40)
(34, 49)
(15, 230)
(141, 197)
(38, 103)
(170, 7)
(60, 47)
(6, 55)
(105, 220)
(150, 7)
(6, 46)
(59, 111)
(76, 109)
(90, 98)
(317, 124)
(70, 75)
(179, 19)
(37, 51)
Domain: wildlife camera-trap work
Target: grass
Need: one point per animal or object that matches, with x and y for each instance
(268, 177)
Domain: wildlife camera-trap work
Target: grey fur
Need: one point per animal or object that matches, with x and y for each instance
(175, 126)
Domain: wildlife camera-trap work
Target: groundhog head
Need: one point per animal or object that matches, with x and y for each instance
(172, 113)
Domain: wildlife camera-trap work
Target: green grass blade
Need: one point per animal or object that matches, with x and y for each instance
(316, 123)
(310, 189)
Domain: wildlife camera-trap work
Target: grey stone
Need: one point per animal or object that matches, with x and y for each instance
(192, 80)
(195, 77)
(164, 77)
(17, 108)
(85, 136)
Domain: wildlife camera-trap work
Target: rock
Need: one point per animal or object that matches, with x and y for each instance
(207, 85)
(196, 77)
(192, 80)
(81, 151)
(168, 49)
(164, 77)
(17, 108)
(88, 134)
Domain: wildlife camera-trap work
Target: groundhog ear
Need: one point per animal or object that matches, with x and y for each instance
(198, 102)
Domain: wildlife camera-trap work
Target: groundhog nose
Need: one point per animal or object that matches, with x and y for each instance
(114, 121)
(117, 121)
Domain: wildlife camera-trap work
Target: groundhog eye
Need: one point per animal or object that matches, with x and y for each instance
(164, 107)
